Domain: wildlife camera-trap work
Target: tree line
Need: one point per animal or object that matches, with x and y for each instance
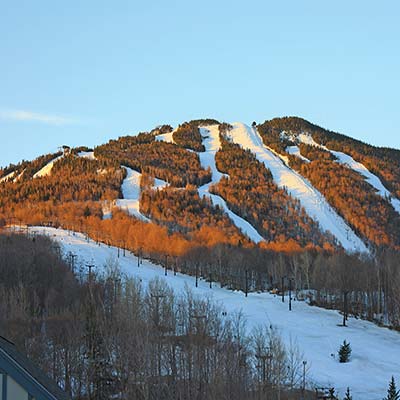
(103, 336)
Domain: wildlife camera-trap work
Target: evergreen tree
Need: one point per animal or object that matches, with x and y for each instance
(348, 396)
(332, 395)
(344, 352)
(393, 393)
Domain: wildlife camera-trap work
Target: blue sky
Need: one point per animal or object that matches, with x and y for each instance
(82, 72)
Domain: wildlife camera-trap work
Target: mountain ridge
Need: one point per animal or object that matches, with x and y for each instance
(185, 158)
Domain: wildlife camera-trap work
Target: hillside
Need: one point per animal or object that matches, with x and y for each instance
(315, 331)
(282, 198)
(313, 188)
(245, 213)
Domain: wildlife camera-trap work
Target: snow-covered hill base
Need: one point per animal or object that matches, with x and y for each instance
(376, 351)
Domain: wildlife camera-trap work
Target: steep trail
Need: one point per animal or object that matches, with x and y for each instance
(312, 200)
(356, 166)
(314, 329)
(207, 159)
(46, 170)
(131, 193)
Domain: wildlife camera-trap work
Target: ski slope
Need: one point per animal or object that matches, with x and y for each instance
(87, 154)
(212, 144)
(165, 137)
(349, 161)
(46, 170)
(131, 193)
(8, 177)
(375, 351)
(313, 202)
(295, 151)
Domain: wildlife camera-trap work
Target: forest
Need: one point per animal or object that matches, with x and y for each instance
(188, 136)
(150, 343)
(347, 191)
(202, 240)
(250, 192)
(381, 161)
(137, 343)
(169, 162)
(72, 179)
(185, 212)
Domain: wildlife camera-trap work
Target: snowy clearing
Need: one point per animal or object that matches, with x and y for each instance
(375, 355)
(295, 151)
(131, 192)
(349, 161)
(165, 137)
(87, 154)
(312, 200)
(46, 170)
(207, 159)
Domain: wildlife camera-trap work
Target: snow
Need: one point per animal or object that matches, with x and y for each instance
(212, 144)
(46, 170)
(131, 193)
(8, 177)
(165, 137)
(311, 199)
(87, 154)
(295, 151)
(349, 161)
(372, 179)
(375, 350)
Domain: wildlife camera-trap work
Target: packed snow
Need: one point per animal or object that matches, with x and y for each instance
(8, 177)
(87, 154)
(131, 193)
(46, 170)
(295, 151)
(375, 350)
(311, 199)
(349, 161)
(212, 144)
(165, 137)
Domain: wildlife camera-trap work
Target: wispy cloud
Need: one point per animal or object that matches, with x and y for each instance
(23, 115)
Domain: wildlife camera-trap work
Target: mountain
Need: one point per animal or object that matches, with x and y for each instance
(290, 228)
(283, 185)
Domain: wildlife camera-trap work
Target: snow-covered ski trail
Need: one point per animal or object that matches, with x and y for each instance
(212, 144)
(46, 170)
(131, 193)
(375, 350)
(311, 199)
(166, 137)
(356, 166)
(87, 154)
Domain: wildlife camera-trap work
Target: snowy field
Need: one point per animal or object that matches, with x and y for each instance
(376, 351)
(311, 199)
